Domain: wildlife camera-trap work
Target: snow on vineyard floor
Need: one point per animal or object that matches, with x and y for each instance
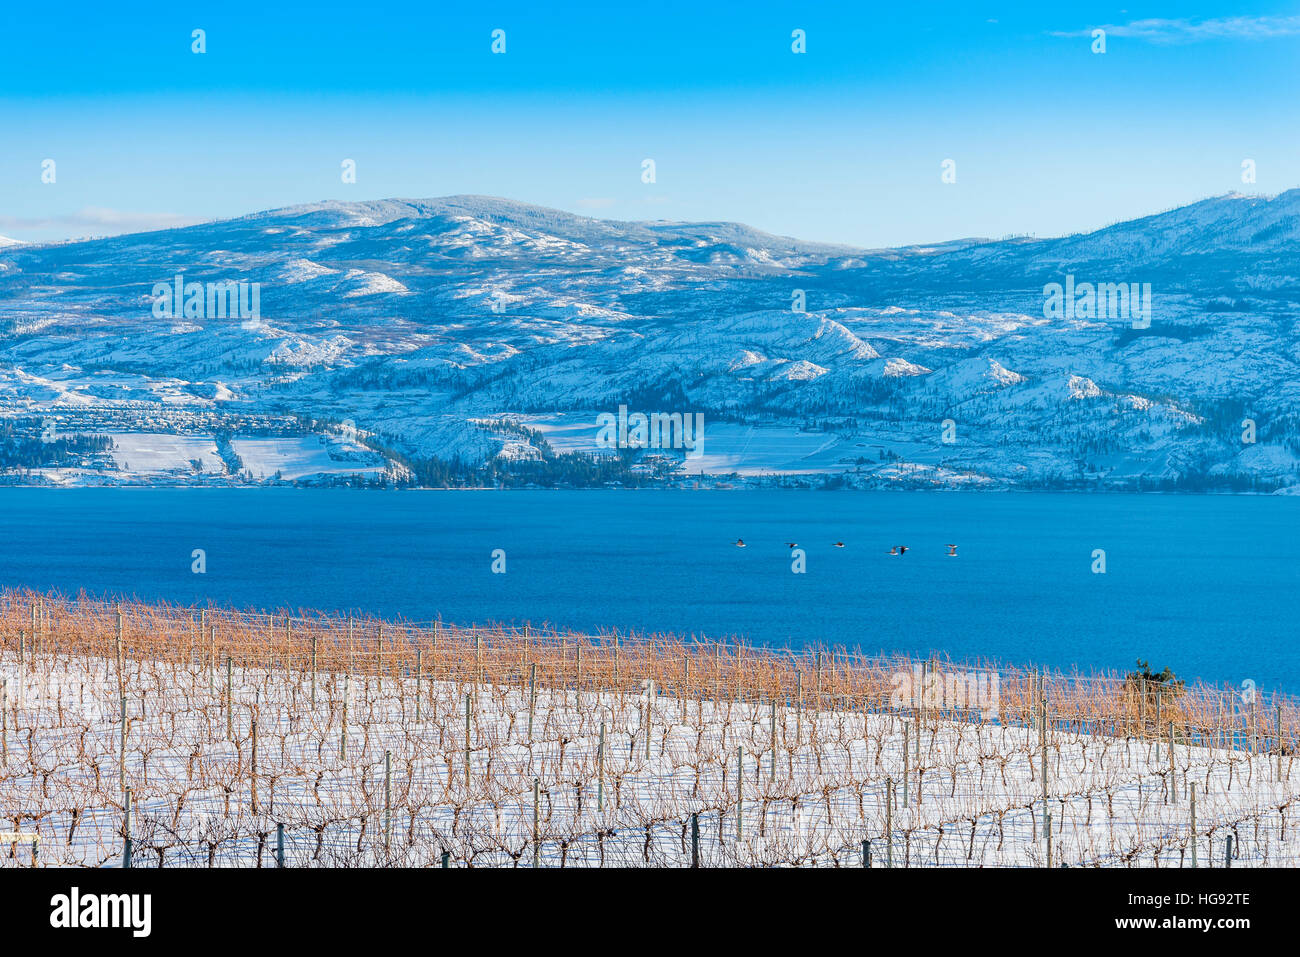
(204, 794)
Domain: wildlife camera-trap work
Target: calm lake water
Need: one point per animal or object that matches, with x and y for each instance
(1206, 585)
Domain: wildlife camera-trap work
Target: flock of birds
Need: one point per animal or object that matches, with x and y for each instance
(896, 550)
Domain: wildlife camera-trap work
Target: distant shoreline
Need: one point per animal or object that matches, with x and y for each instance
(1284, 492)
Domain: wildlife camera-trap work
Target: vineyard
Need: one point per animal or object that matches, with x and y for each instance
(157, 736)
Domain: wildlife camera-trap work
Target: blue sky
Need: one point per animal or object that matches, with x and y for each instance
(843, 143)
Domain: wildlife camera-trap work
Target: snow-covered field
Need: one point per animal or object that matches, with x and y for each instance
(727, 446)
(154, 452)
(749, 450)
(291, 457)
(302, 456)
(364, 771)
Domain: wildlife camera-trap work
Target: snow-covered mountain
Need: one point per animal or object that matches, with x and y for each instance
(475, 330)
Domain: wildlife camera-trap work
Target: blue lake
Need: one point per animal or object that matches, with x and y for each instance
(1204, 584)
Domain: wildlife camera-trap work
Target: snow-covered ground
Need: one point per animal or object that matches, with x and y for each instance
(727, 447)
(156, 452)
(295, 457)
(263, 457)
(491, 776)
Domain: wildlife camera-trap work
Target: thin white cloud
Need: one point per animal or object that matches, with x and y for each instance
(595, 203)
(1194, 31)
(97, 220)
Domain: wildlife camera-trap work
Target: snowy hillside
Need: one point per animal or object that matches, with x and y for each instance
(488, 335)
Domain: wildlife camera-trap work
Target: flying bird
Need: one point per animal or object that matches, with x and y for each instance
(839, 544)
(952, 550)
(792, 544)
(898, 550)
(739, 543)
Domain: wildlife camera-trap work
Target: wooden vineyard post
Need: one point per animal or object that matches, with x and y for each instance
(1193, 813)
(313, 672)
(121, 755)
(649, 716)
(419, 670)
(600, 770)
(695, 840)
(537, 823)
(1042, 737)
(388, 803)
(467, 700)
(343, 732)
(889, 822)
(230, 700)
(279, 845)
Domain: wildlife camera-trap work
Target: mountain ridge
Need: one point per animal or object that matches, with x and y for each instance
(474, 335)
(498, 206)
